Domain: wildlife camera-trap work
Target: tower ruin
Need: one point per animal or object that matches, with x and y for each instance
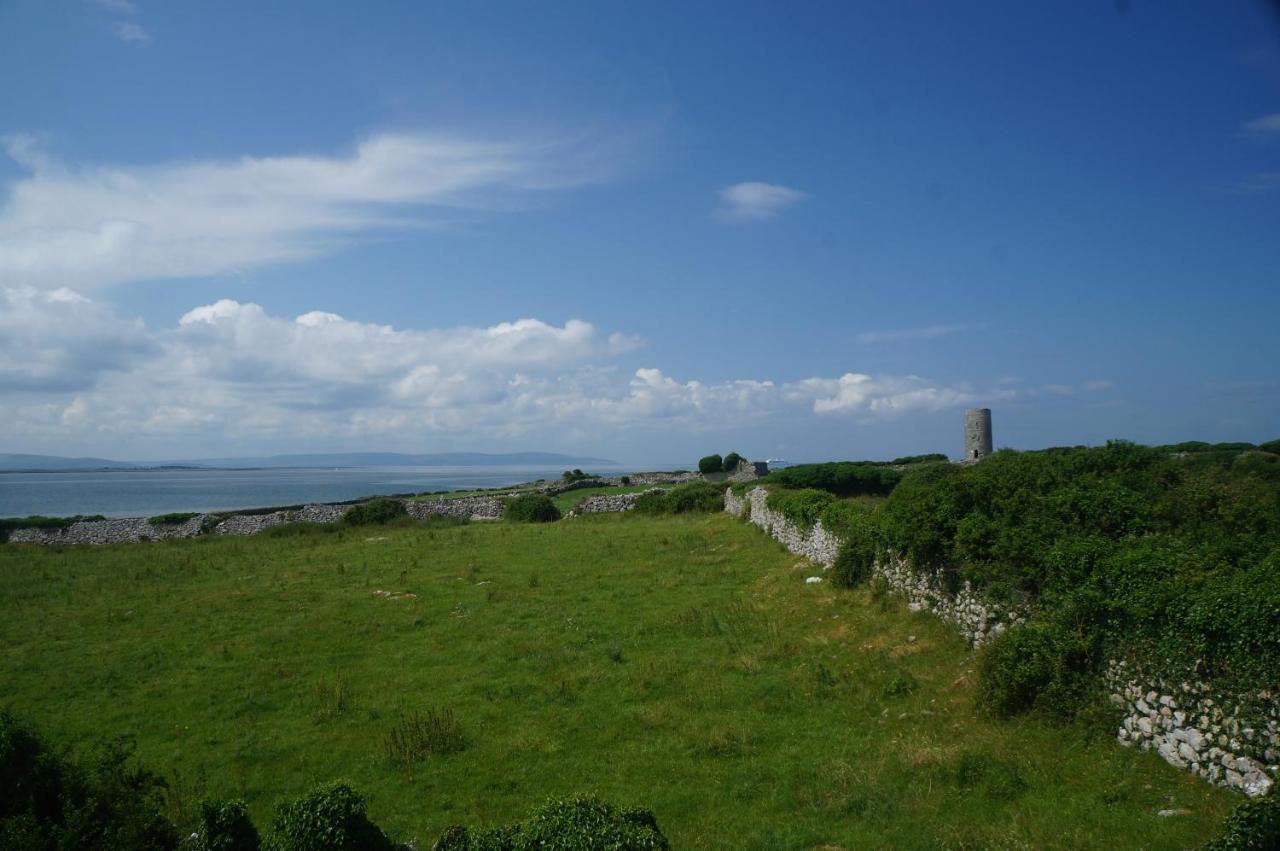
(977, 433)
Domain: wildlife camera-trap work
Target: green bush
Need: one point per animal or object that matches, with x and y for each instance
(48, 801)
(842, 478)
(330, 818)
(930, 458)
(574, 475)
(375, 511)
(682, 499)
(801, 507)
(731, 462)
(176, 518)
(531, 508)
(574, 824)
(711, 464)
(1253, 825)
(1045, 666)
(225, 826)
(1272, 446)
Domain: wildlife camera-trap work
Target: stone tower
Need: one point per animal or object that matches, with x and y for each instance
(977, 433)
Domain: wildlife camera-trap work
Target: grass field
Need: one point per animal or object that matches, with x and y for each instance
(678, 663)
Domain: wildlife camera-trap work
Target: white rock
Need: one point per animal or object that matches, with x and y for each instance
(813, 580)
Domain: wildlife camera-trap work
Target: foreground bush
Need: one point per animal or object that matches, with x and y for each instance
(531, 508)
(575, 824)
(700, 497)
(330, 818)
(1252, 826)
(50, 802)
(225, 826)
(375, 511)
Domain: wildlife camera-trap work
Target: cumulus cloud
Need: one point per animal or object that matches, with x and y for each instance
(94, 226)
(755, 201)
(231, 371)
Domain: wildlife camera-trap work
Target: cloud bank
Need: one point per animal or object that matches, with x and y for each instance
(71, 369)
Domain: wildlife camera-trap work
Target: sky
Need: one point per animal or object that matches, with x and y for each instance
(640, 231)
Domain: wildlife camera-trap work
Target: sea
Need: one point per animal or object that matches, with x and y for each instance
(145, 493)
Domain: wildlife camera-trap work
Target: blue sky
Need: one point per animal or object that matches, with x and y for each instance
(643, 231)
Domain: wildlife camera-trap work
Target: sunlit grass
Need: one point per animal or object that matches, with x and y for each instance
(677, 663)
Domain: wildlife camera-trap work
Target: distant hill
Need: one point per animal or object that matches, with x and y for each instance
(54, 462)
(13, 462)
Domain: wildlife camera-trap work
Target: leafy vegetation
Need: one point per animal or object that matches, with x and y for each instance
(691, 497)
(710, 464)
(731, 462)
(49, 802)
(176, 518)
(1118, 550)
(1253, 825)
(226, 826)
(596, 655)
(842, 478)
(329, 818)
(574, 823)
(374, 512)
(574, 475)
(930, 458)
(531, 508)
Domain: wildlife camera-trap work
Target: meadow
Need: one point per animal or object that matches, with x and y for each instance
(678, 663)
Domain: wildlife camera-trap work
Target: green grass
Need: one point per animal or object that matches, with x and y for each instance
(679, 663)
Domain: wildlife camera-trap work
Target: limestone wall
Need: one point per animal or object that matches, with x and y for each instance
(1228, 739)
(977, 620)
(1231, 740)
(608, 502)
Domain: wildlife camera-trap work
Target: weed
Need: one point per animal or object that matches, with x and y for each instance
(417, 736)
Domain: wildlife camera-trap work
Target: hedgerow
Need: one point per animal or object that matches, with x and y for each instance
(1117, 551)
(682, 499)
(531, 508)
(375, 511)
(842, 478)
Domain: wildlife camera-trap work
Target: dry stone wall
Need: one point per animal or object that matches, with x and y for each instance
(977, 620)
(1229, 740)
(609, 502)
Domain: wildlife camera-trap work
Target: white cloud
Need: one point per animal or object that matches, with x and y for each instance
(130, 32)
(927, 333)
(754, 201)
(90, 227)
(1267, 125)
(229, 372)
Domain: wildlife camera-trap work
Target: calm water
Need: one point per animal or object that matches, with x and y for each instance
(146, 493)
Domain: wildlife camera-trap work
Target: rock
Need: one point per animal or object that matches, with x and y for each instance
(1171, 813)
(813, 580)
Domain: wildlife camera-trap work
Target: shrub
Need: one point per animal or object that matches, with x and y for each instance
(176, 518)
(802, 507)
(225, 826)
(330, 818)
(573, 824)
(710, 464)
(418, 736)
(626, 481)
(731, 462)
(842, 478)
(682, 499)
(574, 475)
(1253, 825)
(930, 458)
(1272, 446)
(531, 508)
(49, 801)
(375, 511)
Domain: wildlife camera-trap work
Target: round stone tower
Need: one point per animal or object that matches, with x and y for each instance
(977, 433)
